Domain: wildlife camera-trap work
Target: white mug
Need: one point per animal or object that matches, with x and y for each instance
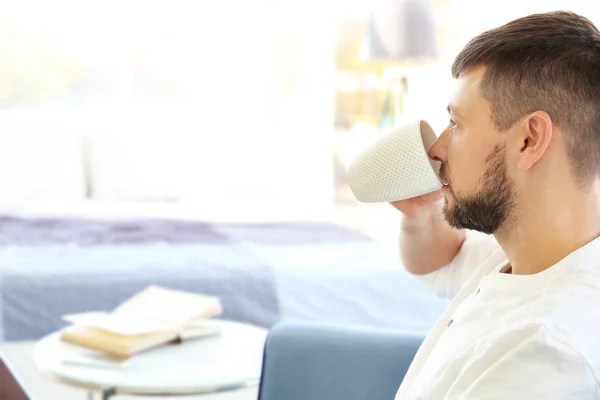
(396, 167)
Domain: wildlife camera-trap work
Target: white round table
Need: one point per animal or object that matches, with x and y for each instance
(231, 360)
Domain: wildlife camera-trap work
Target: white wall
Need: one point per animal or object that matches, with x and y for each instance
(254, 130)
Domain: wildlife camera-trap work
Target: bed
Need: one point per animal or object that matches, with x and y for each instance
(263, 272)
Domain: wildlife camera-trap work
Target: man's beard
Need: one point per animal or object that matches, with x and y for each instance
(488, 209)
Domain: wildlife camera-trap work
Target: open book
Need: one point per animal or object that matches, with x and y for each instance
(151, 318)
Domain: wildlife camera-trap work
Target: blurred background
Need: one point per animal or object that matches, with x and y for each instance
(202, 145)
(229, 109)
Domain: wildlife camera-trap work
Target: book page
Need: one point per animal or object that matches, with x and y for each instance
(169, 308)
(116, 324)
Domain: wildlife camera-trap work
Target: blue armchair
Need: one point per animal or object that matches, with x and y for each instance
(305, 361)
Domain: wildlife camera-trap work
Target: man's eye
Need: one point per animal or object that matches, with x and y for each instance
(452, 123)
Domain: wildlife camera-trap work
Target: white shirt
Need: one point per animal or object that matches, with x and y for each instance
(510, 336)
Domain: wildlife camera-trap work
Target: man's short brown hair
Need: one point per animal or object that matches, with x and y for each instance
(548, 62)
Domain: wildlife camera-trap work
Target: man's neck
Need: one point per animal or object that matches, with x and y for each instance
(545, 234)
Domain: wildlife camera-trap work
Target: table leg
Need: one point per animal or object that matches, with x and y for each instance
(106, 394)
(90, 395)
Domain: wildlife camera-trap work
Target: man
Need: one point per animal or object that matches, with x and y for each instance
(521, 159)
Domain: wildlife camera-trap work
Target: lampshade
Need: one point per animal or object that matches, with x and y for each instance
(400, 30)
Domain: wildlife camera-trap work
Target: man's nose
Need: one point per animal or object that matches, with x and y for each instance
(438, 150)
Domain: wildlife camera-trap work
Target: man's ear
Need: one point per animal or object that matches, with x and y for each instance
(534, 139)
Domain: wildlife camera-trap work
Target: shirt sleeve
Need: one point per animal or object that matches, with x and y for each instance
(539, 367)
(476, 249)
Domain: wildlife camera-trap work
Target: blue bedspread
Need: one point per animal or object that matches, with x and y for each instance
(262, 272)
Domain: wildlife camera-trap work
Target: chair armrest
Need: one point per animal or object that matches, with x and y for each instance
(308, 361)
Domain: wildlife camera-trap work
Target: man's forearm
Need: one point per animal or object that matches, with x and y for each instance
(428, 242)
